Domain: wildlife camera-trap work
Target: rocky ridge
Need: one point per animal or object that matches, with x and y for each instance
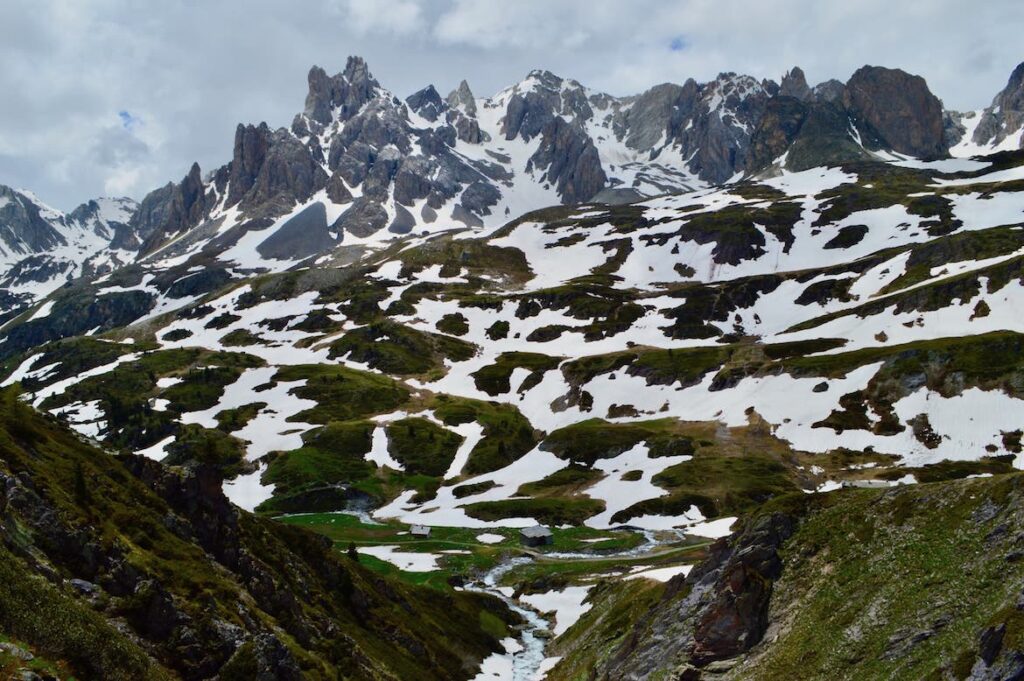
(384, 167)
(381, 167)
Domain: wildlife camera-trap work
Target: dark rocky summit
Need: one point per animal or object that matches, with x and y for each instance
(899, 109)
(355, 138)
(22, 228)
(170, 210)
(889, 109)
(794, 84)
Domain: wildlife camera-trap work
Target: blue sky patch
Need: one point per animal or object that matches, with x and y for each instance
(128, 121)
(678, 44)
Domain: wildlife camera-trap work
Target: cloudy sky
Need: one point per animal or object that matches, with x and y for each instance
(116, 97)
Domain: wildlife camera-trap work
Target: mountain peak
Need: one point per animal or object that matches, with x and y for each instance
(462, 98)
(545, 79)
(426, 102)
(357, 73)
(342, 94)
(1000, 125)
(794, 84)
(1011, 98)
(900, 108)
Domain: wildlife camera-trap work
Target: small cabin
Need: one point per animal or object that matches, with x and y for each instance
(419, 531)
(866, 484)
(538, 535)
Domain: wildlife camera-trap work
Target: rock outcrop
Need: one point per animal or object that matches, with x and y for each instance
(794, 84)
(878, 109)
(1005, 117)
(171, 210)
(899, 109)
(569, 160)
(22, 228)
(719, 611)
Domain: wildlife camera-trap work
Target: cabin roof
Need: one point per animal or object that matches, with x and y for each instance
(535, 531)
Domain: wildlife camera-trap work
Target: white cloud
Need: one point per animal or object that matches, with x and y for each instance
(190, 71)
(122, 180)
(530, 24)
(399, 17)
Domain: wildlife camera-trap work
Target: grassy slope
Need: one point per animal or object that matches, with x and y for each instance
(869, 570)
(90, 496)
(876, 584)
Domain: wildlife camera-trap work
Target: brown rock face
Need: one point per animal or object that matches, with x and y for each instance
(898, 108)
(782, 120)
(719, 611)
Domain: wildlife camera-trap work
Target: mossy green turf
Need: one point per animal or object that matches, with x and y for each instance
(401, 350)
(975, 245)
(124, 393)
(331, 455)
(11, 665)
(62, 628)
(993, 359)
(474, 255)
(587, 441)
(614, 607)
(717, 485)
(493, 379)
(421, 446)
(545, 510)
(507, 434)
(340, 393)
(330, 469)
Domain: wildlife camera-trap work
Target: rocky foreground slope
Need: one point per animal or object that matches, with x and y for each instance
(919, 582)
(120, 568)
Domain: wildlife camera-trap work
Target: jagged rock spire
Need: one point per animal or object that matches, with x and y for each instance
(345, 92)
(462, 98)
(794, 84)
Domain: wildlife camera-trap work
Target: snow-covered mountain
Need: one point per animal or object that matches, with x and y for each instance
(998, 127)
(42, 248)
(360, 166)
